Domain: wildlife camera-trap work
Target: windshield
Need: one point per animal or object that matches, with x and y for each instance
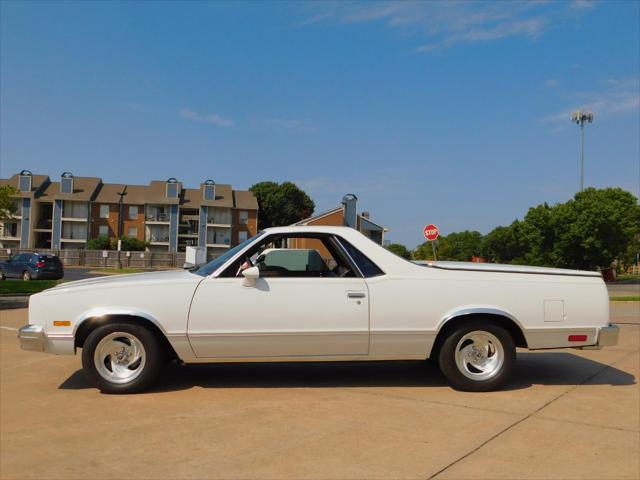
(217, 262)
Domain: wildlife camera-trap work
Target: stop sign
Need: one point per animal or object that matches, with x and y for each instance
(430, 232)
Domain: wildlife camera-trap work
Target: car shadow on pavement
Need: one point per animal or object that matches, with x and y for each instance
(543, 368)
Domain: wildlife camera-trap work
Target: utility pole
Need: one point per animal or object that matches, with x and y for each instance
(580, 117)
(120, 224)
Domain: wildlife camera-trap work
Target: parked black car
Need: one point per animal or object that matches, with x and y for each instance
(29, 266)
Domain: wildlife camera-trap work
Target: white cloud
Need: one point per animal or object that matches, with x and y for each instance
(621, 96)
(212, 118)
(551, 83)
(447, 23)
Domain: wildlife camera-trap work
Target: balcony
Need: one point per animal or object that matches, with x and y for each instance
(43, 224)
(159, 239)
(159, 217)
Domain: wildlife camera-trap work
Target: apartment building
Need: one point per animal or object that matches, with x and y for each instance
(69, 212)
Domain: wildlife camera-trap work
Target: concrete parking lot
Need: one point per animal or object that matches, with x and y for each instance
(567, 414)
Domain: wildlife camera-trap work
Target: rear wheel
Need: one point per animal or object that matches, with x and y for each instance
(26, 275)
(2, 277)
(477, 357)
(122, 357)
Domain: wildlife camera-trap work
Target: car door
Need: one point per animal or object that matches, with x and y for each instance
(280, 317)
(15, 265)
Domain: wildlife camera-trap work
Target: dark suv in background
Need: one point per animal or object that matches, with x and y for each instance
(34, 266)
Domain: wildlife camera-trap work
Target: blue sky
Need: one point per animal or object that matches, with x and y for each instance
(451, 113)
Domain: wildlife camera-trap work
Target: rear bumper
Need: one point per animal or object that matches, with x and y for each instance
(608, 336)
(35, 339)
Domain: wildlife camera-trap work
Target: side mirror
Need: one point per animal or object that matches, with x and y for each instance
(251, 275)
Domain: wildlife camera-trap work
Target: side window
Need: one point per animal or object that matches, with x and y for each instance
(366, 266)
(296, 256)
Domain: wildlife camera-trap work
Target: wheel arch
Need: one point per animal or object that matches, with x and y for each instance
(500, 317)
(92, 321)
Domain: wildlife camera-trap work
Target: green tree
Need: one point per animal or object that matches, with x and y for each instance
(594, 228)
(8, 205)
(281, 204)
(100, 243)
(504, 244)
(131, 244)
(400, 250)
(458, 246)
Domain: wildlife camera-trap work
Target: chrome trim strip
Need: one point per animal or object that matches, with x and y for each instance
(523, 272)
(271, 334)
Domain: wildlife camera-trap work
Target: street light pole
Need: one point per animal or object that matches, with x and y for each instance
(580, 118)
(120, 213)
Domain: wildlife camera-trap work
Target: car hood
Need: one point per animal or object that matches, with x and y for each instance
(132, 280)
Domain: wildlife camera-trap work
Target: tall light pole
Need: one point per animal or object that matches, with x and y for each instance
(580, 118)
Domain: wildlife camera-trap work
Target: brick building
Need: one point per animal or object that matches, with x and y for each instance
(67, 213)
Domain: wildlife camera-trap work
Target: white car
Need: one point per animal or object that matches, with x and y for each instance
(319, 294)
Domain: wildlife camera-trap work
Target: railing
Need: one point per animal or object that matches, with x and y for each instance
(157, 217)
(44, 224)
(95, 258)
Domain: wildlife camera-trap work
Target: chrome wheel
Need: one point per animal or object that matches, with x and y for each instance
(479, 355)
(119, 357)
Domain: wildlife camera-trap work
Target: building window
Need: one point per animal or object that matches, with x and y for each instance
(25, 181)
(104, 211)
(209, 192)
(133, 212)
(244, 217)
(242, 236)
(172, 188)
(103, 230)
(66, 183)
(132, 232)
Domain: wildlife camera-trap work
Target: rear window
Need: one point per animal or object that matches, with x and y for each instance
(49, 259)
(366, 266)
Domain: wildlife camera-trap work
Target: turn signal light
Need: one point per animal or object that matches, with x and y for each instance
(61, 323)
(577, 338)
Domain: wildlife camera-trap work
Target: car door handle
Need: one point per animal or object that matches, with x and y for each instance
(355, 295)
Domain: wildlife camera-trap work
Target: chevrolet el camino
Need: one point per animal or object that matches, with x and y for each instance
(319, 294)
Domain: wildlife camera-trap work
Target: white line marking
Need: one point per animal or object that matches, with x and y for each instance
(9, 328)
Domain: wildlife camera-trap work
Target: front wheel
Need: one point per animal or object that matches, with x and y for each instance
(26, 275)
(122, 357)
(478, 357)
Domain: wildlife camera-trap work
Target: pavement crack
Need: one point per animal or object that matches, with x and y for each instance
(528, 416)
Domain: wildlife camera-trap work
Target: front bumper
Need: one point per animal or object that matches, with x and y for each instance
(35, 339)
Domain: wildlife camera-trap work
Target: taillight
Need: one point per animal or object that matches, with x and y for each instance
(577, 338)
(39, 264)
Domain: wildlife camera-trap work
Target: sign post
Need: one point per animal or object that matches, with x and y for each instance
(431, 233)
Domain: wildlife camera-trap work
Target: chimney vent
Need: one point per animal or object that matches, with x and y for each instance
(349, 202)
